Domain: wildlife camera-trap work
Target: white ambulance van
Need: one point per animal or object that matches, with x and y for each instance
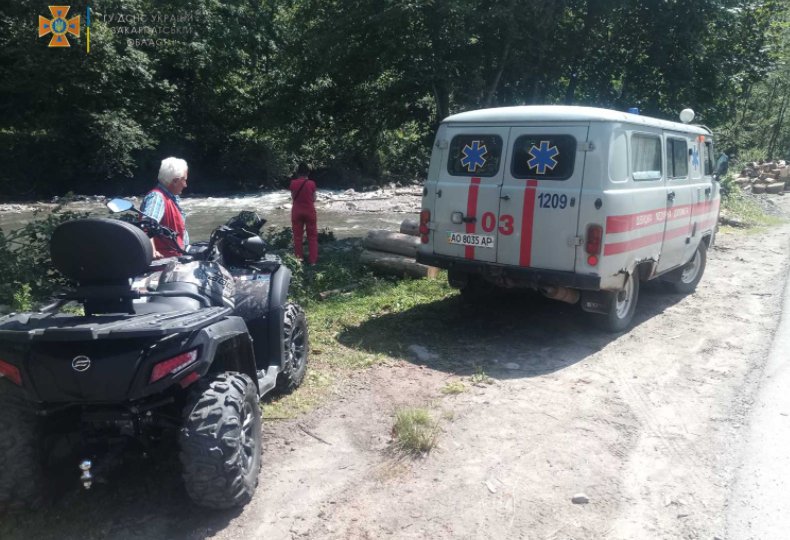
(577, 202)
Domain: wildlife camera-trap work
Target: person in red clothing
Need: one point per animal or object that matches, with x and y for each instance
(303, 194)
(164, 205)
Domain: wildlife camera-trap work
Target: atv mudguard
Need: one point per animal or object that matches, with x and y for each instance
(281, 282)
(226, 346)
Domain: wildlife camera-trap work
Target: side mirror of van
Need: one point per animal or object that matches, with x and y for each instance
(715, 177)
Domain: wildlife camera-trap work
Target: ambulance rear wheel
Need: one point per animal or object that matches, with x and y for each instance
(622, 305)
(691, 273)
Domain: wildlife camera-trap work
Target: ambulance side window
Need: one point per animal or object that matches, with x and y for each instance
(708, 149)
(549, 157)
(645, 157)
(677, 158)
(474, 155)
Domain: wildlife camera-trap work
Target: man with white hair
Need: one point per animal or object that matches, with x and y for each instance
(163, 204)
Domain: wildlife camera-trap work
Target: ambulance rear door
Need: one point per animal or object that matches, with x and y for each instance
(466, 204)
(539, 205)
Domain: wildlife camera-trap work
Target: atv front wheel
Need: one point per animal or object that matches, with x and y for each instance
(296, 343)
(22, 481)
(221, 441)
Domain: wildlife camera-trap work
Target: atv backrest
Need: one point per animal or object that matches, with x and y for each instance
(100, 251)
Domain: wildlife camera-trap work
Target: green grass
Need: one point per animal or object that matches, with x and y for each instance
(454, 388)
(415, 431)
(338, 346)
(480, 377)
(316, 388)
(748, 209)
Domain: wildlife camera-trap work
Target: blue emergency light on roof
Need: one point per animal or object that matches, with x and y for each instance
(633, 110)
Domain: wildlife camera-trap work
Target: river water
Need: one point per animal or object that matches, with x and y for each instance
(345, 214)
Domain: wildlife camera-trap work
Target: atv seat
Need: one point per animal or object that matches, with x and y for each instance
(102, 255)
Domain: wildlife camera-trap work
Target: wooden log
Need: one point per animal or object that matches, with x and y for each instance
(758, 188)
(392, 242)
(410, 226)
(347, 288)
(388, 263)
(776, 187)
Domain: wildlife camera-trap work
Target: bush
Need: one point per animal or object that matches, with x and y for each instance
(27, 270)
(415, 430)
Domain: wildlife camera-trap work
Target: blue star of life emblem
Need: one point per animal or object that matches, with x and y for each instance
(695, 158)
(473, 156)
(543, 157)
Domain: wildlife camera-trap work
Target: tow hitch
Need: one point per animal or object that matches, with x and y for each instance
(86, 478)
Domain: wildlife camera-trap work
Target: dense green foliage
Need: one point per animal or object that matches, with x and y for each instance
(245, 88)
(25, 264)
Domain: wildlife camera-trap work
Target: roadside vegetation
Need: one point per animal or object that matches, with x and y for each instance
(335, 349)
(741, 209)
(245, 90)
(415, 431)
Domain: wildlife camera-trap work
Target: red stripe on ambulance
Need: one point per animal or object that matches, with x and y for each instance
(657, 238)
(527, 219)
(471, 211)
(620, 224)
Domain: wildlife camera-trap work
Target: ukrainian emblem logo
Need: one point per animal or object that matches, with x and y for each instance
(543, 157)
(474, 156)
(59, 26)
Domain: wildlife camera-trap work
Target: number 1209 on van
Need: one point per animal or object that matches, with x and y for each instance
(577, 202)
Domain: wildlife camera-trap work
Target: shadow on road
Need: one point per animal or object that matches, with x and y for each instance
(141, 499)
(516, 327)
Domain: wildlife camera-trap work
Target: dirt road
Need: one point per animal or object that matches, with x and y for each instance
(649, 425)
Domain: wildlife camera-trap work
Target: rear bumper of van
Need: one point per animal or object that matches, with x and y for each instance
(532, 275)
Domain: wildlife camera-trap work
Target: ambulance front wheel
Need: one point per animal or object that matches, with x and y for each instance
(621, 307)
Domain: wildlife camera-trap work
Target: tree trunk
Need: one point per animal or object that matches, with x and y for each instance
(387, 263)
(580, 49)
(392, 242)
(495, 83)
(510, 31)
(410, 227)
(442, 97)
(777, 128)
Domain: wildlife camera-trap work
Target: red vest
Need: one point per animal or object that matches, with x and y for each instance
(172, 220)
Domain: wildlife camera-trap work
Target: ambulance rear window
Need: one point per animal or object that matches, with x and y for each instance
(544, 156)
(475, 155)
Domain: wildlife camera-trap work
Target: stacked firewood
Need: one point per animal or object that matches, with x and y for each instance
(388, 252)
(765, 177)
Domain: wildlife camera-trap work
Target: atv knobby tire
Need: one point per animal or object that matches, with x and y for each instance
(22, 480)
(296, 344)
(221, 441)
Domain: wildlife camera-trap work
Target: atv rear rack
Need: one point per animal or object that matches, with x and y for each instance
(24, 327)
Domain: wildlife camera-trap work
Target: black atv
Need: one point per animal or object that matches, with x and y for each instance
(185, 346)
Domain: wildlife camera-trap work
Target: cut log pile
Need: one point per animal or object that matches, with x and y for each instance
(765, 177)
(393, 253)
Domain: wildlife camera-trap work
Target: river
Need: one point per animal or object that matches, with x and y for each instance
(346, 214)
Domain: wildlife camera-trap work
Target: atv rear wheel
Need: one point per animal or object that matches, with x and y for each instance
(221, 441)
(22, 480)
(296, 342)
